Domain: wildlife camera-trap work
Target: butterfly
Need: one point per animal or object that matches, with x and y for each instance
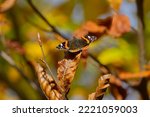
(76, 45)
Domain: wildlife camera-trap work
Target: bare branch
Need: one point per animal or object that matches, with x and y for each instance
(45, 20)
(8, 59)
(142, 87)
(104, 69)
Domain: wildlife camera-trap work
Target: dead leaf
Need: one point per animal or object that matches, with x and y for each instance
(66, 70)
(120, 25)
(115, 26)
(89, 27)
(103, 84)
(47, 83)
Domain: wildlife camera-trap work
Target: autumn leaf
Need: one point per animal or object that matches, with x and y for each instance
(66, 70)
(115, 4)
(115, 26)
(103, 84)
(89, 27)
(120, 25)
(47, 83)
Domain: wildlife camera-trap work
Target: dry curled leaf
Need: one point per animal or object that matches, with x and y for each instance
(120, 25)
(103, 84)
(115, 26)
(89, 27)
(47, 83)
(66, 70)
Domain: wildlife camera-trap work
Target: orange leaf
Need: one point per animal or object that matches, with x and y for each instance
(120, 25)
(89, 27)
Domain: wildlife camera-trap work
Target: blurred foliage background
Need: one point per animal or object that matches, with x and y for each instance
(18, 38)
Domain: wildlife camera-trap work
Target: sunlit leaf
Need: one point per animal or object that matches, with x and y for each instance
(115, 4)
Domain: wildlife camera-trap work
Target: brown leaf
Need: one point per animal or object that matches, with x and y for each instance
(115, 26)
(89, 27)
(47, 83)
(105, 22)
(66, 70)
(103, 84)
(120, 25)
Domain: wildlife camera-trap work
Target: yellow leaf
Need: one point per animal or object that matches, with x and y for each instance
(115, 4)
(33, 50)
(13, 74)
(117, 56)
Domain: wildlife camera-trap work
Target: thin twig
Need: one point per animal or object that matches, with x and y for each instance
(37, 26)
(41, 46)
(45, 20)
(8, 59)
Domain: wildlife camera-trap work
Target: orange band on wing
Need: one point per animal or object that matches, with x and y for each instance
(85, 39)
(66, 45)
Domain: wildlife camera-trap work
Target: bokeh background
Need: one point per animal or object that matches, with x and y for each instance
(20, 25)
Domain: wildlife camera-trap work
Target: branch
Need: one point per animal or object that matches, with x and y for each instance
(140, 33)
(45, 20)
(130, 76)
(104, 69)
(115, 82)
(41, 46)
(140, 11)
(142, 87)
(9, 60)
